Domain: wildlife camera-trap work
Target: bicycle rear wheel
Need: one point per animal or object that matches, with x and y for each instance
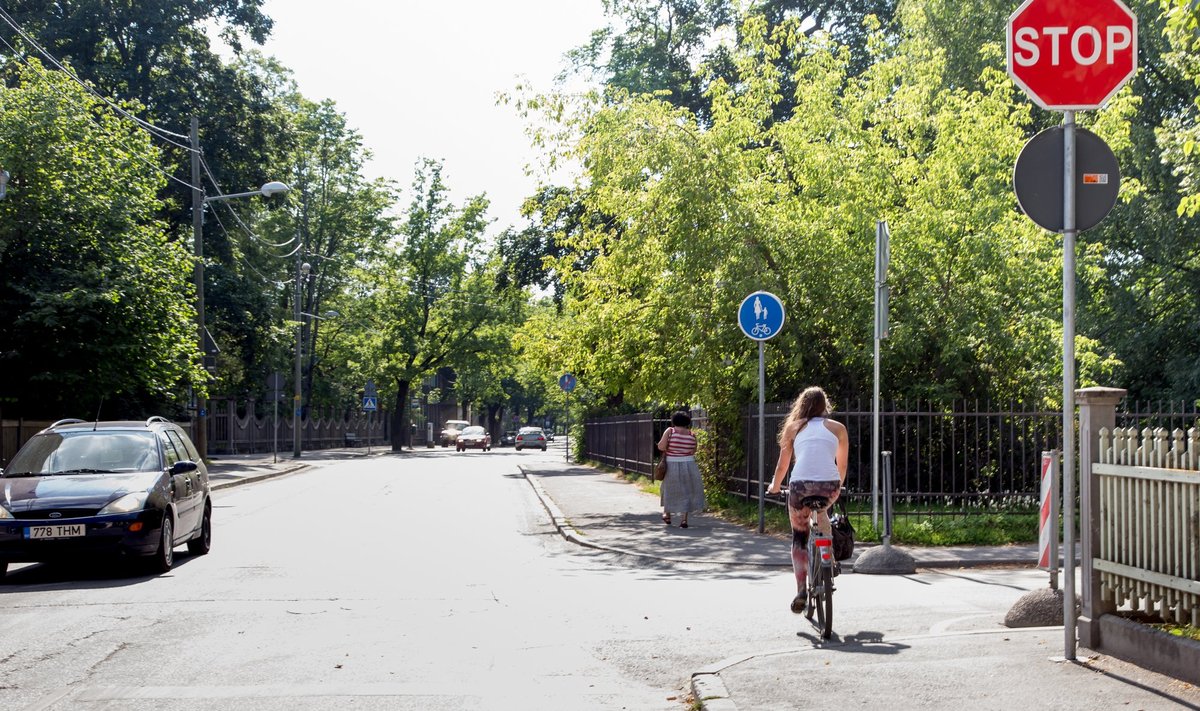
(823, 601)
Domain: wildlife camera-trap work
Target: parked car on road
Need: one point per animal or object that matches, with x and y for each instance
(79, 489)
(474, 438)
(508, 439)
(530, 437)
(451, 431)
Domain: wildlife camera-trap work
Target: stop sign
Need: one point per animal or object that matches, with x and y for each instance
(1071, 55)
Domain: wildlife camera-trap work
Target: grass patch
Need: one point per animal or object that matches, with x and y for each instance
(984, 529)
(1185, 631)
(913, 525)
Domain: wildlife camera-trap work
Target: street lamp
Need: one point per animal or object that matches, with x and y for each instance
(199, 200)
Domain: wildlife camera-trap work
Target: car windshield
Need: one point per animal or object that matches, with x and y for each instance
(87, 452)
(473, 431)
(531, 430)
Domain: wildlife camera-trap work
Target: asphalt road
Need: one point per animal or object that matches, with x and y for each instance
(433, 580)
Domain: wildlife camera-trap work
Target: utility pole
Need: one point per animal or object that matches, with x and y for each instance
(200, 432)
(302, 269)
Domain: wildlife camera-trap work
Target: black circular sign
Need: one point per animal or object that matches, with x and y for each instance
(1038, 179)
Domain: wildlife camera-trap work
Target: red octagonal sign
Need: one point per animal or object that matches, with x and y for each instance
(1071, 55)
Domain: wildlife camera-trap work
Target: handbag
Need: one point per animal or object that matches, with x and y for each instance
(660, 469)
(843, 533)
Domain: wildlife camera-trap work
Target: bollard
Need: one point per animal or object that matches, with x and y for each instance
(885, 560)
(887, 498)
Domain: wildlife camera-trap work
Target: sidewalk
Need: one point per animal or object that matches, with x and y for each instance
(598, 510)
(989, 669)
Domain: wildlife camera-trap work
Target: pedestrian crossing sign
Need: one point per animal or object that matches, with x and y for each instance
(370, 404)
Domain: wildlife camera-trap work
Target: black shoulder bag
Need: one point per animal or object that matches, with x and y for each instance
(843, 532)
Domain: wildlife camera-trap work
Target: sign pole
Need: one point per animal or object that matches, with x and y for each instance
(762, 441)
(1069, 384)
(567, 382)
(761, 316)
(882, 257)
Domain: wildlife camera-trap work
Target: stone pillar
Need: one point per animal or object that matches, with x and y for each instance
(1097, 410)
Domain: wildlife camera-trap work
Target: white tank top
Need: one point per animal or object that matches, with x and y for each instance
(816, 453)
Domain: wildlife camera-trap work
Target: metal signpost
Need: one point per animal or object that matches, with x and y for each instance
(1070, 56)
(370, 404)
(882, 293)
(761, 317)
(567, 382)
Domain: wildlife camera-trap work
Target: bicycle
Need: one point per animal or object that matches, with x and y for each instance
(819, 587)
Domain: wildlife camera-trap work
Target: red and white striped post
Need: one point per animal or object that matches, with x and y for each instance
(1048, 518)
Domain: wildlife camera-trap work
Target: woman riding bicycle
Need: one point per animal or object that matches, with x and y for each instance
(821, 449)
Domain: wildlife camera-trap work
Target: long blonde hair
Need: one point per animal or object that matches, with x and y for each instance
(813, 402)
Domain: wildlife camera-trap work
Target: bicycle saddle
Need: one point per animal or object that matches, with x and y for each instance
(814, 502)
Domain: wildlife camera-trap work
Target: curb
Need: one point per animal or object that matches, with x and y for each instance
(568, 532)
(250, 479)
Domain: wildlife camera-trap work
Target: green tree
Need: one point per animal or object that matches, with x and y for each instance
(711, 211)
(335, 219)
(435, 293)
(95, 302)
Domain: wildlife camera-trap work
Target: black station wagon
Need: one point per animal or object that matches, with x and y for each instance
(79, 489)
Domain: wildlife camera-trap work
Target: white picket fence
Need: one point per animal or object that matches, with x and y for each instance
(1149, 553)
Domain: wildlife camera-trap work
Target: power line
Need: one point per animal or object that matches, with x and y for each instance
(91, 118)
(160, 133)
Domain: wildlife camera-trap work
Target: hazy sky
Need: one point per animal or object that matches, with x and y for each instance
(419, 79)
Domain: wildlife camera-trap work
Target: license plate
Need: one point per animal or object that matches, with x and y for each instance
(68, 530)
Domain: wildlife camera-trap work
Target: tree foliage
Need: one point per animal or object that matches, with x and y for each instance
(432, 295)
(709, 212)
(95, 302)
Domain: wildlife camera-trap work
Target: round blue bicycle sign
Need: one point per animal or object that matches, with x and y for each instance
(761, 315)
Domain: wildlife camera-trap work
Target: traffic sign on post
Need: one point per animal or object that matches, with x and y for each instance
(567, 382)
(370, 404)
(761, 315)
(1071, 55)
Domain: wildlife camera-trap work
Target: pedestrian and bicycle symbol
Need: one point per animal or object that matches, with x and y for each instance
(761, 316)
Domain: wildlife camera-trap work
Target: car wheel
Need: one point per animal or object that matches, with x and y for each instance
(201, 544)
(543, 449)
(162, 559)
(518, 449)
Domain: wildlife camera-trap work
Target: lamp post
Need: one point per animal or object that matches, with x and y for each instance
(199, 200)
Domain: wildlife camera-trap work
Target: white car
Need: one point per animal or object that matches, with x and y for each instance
(531, 437)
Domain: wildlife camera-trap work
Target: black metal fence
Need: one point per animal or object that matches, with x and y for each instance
(952, 458)
(627, 441)
(949, 459)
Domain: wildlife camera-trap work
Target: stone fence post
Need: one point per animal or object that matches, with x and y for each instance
(1097, 410)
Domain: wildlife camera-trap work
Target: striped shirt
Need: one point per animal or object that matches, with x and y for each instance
(681, 443)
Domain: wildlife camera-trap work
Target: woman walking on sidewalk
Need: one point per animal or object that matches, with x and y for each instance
(822, 451)
(682, 491)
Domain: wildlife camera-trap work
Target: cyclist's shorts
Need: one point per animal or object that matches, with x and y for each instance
(799, 489)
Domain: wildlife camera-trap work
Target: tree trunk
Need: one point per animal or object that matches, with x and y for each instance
(400, 426)
(493, 421)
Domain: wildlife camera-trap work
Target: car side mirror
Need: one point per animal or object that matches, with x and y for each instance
(183, 467)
